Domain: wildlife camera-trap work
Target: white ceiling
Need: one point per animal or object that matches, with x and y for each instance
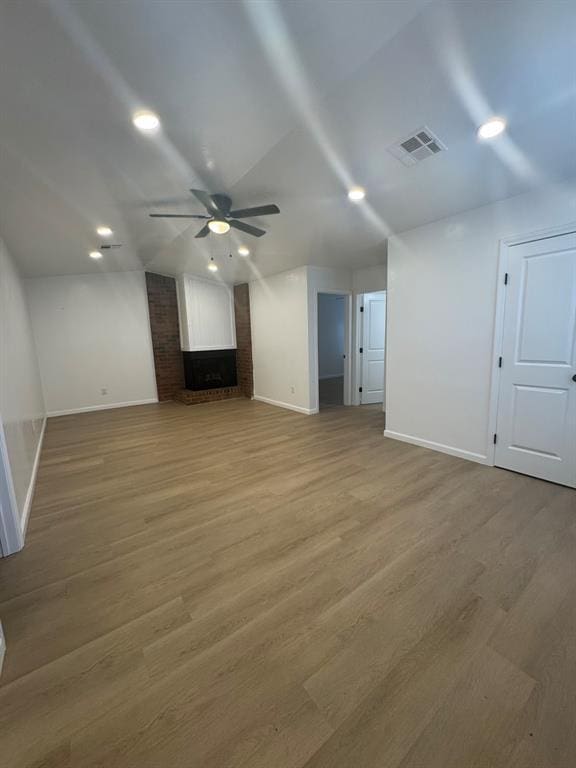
(287, 102)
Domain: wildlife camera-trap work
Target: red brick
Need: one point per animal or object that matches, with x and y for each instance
(163, 310)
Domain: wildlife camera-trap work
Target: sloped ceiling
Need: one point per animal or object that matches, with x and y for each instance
(287, 102)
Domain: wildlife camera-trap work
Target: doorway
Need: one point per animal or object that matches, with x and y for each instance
(11, 537)
(371, 342)
(535, 430)
(331, 349)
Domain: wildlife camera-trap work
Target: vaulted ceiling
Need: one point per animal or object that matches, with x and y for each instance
(285, 101)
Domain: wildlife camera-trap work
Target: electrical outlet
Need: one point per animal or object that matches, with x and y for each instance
(103, 391)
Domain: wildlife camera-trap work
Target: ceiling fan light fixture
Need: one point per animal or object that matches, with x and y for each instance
(243, 251)
(356, 194)
(104, 232)
(212, 266)
(218, 226)
(95, 255)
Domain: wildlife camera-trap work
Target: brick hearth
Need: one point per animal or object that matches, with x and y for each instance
(189, 397)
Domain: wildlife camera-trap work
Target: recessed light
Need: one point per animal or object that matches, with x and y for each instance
(213, 267)
(243, 251)
(218, 226)
(356, 194)
(104, 231)
(146, 121)
(95, 255)
(492, 128)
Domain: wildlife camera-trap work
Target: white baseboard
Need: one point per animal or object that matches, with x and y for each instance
(459, 452)
(289, 406)
(105, 407)
(32, 485)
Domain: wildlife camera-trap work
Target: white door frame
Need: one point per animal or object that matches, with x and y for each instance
(357, 358)
(347, 295)
(504, 249)
(11, 536)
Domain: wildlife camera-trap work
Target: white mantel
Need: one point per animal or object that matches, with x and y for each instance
(206, 312)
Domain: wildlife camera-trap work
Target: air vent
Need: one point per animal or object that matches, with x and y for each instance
(417, 147)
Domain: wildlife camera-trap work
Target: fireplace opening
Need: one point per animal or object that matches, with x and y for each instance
(212, 369)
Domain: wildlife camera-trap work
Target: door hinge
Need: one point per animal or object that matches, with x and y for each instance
(495, 438)
(359, 389)
(361, 350)
(499, 362)
(506, 278)
(361, 309)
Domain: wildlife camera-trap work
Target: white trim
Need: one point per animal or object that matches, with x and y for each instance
(13, 523)
(540, 234)
(105, 407)
(356, 356)
(11, 539)
(313, 345)
(32, 485)
(215, 347)
(459, 452)
(496, 351)
(289, 406)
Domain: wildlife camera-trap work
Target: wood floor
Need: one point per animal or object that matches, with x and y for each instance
(234, 585)
(331, 391)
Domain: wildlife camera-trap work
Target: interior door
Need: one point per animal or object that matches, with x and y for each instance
(373, 342)
(536, 425)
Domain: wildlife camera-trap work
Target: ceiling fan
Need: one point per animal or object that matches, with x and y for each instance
(220, 218)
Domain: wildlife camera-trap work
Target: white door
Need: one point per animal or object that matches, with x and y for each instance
(536, 427)
(373, 340)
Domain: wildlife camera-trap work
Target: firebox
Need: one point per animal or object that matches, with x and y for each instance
(211, 369)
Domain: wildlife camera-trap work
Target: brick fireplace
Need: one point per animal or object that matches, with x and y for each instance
(227, 373)
(210, 369)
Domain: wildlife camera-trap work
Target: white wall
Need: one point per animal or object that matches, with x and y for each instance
(93, 334)
(369, 279)
(206, 314)
(285, 326)
(442, 282)
(21, 401)
(279, 319)
(331, 315)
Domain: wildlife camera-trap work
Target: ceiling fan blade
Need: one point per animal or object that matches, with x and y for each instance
(259, 210)
(204, 231)
(177, 216)
(223, 202)
(247, 228)
(207, 201)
